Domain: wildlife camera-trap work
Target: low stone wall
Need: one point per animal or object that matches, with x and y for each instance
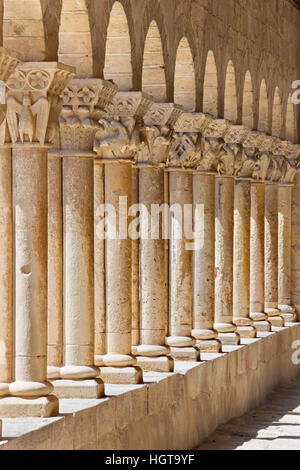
(175, 411)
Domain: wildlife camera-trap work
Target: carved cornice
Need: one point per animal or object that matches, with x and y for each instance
(163, 114)
(192, 122)
(33, 101)
(120, 130)
(84, 101)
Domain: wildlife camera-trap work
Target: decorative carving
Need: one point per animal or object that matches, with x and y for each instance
(9, 60)
(265, 170)
(84, 101)
(163, 114)
(214, 131)
(192, 122)
(129, 103)
(217, 129)
(247, 162)
(184, 150)
(120, 131)
(33, 101)
(288, 155)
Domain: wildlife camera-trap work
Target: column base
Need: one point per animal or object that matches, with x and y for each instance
(0, 428)
(15, 407)
(121, 375)
(82, 389)
(53, 372)
(4, 389)
(274, 317)
(156, 364)
(185, 354)
(209, 346)
(98, 361)
(262, 326)
(246, 331)
(288, 313)
(230, 339)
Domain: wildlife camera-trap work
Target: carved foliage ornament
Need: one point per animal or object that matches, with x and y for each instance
(32, 101)
(84, 101)
(184, 151)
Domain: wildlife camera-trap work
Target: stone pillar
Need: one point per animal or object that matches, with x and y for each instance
(32, 97)
(83, 102)
(271, 254)
(152, 353)
(289, 169)
(135, 284)
(246, 164)
(9, 62)
(55, 266)
(182, 162)
(204, 253)
(295, 277)
(116, 145)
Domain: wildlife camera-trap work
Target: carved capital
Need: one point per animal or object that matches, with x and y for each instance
(84, 101)
(264, 169)
(157, 133)
(247, 162)
(288, 155)
(213, 133)
(184, 150)
(9, 60)
(192, 122)
(120, 130)
(33, 101)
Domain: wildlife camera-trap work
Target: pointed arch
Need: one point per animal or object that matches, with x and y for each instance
(118, 49)
(210, 86)
(23, 29)
(184, 80)
(290, 121)
(263, 116)
(248, 102)
(230, 96)
(153, 78)
(75, 45)
(277, 114)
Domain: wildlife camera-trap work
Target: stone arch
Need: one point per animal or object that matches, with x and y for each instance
(230, 95)
(210, 86)
(23, 29)
(75, 45)
(248, 102)
(184, 77)
(277, 114)
(263, 113)
(118, 65)
(290, 121)
(153, 76)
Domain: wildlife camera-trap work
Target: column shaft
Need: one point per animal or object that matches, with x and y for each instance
(135, 300)
(224, 204)
(241, 259)
(99, 262)
(257, 257)
(118, 262)
(78, 269)
(6, 271)
(271, 255)
(181, 270)
(204, 263)
(55, 266)
(295, 276)
(153, 287)
(284, 251)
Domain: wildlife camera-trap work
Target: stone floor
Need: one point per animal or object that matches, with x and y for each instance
(273, 426)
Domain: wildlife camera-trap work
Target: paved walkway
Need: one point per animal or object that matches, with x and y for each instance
(273, 426)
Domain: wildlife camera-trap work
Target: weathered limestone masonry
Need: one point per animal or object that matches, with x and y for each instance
(32, 96)
(152, 353)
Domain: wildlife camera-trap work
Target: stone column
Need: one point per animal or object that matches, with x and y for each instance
(135, 284)
(204, 253)
(152, 354)
(8, 63)
(246, 164)
(83, 102)
(224, 207)
(32, 96)
(289, 169)
(55, 266)
(116, 145)
(183, 160)
(271, 242)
